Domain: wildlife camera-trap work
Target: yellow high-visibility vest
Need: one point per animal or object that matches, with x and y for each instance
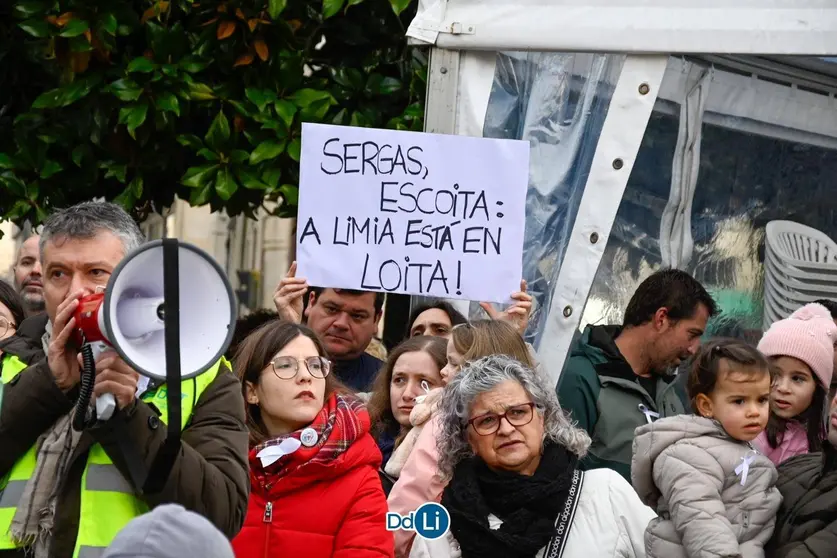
(108, 501)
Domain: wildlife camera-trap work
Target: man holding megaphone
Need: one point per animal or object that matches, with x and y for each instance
(66, 491)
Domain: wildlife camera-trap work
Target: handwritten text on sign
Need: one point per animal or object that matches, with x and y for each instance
(411, 213)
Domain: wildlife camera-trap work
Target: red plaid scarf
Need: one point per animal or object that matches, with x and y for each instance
(342, 420)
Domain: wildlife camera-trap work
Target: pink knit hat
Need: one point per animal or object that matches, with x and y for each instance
(808, 335)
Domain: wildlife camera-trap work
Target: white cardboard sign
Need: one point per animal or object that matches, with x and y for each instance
(411, 213)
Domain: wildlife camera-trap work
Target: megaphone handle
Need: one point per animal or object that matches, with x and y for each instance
(105, 406)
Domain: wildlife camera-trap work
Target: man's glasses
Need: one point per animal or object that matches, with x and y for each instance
(287, 367)
(489, 423)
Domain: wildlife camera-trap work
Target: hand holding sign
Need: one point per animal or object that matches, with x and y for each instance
(288, 296)
(412, 213)
(517, 314)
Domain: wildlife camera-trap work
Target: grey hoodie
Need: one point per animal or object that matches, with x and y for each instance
(685, 468)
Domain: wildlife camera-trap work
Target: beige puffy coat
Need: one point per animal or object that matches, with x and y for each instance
(691, 471)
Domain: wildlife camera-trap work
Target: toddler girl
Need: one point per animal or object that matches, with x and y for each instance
(714, 493)
(801, 349)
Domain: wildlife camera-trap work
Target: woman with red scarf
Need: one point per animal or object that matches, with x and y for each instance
(315, 490)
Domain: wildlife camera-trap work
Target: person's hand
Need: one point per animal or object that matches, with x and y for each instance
(116, 377)
(288, 296)
(63, 360)
(517, 314)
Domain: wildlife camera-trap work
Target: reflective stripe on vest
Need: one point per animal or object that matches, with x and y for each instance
(10, 366)
(108, 501)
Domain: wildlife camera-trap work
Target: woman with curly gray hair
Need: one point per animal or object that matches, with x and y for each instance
(514, 490)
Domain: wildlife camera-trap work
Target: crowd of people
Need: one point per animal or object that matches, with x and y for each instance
(655, 442)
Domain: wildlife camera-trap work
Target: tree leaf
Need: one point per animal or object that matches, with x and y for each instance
(74, 28)
(49, 99)
(200, 92)
(225, 30)
(290, 193)
(109, 24)
(294, 148)
(194, 64)
(225, 184)
(78, 90)
(133, 117)
(195, 177)
(126, 89)
(79, 154)
(399, 6)
(304, 97)
(271, 177)
(250, 181)
(261, 49)
(118, 172)
(219, 132)
(6, 162)
(244, 60)
(239, 156)
(28, 9)
(286, 111)
(266, 150)
(51, 168)
(35, 27)
(142, 65)
(208, 154)
(190, 140)
(201, 196)
(260, 97)
(168, 102)
(354, 2)
(275, 7)
(331, 7)
(136, 186)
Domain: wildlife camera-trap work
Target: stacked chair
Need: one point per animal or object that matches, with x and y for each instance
(800, 266)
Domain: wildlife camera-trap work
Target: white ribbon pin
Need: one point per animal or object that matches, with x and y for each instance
(426, 387)
(744, 468)
(649, 414)
(272, 454)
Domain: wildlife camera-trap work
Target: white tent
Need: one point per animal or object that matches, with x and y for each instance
(635, 117)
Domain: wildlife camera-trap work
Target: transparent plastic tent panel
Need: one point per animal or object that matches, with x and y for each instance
(726, 150)
(762, 149)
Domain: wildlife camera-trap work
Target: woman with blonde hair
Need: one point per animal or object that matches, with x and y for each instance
(418, 481)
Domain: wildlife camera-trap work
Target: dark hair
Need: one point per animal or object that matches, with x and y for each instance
(733, 355)
(10, 298)
(812, 418)
(380, 405)
(454, 315)
(379, 297)
(672, 289)
(246, 325)
(255, 354)
(830, 305)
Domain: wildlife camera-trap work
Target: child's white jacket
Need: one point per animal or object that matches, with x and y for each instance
(715, 496)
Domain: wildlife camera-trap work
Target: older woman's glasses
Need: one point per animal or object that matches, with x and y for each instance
(287, 367)
(489, 423)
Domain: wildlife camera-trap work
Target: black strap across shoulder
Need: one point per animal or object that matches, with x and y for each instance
(564, 521)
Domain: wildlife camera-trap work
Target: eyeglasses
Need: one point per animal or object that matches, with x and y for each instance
(5, 327)
(489, 423)
(287, 367)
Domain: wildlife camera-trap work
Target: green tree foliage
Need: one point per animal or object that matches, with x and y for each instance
(138, 100)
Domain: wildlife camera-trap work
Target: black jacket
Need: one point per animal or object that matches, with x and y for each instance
(806, 526)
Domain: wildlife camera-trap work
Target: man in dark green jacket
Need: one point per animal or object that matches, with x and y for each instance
(806, 526)
(618, 378)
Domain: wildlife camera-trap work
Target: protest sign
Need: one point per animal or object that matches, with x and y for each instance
(411, 213)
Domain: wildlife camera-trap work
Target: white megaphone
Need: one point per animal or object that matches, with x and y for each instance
(130, 315)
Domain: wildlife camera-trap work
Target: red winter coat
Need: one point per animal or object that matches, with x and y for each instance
(335, 509)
